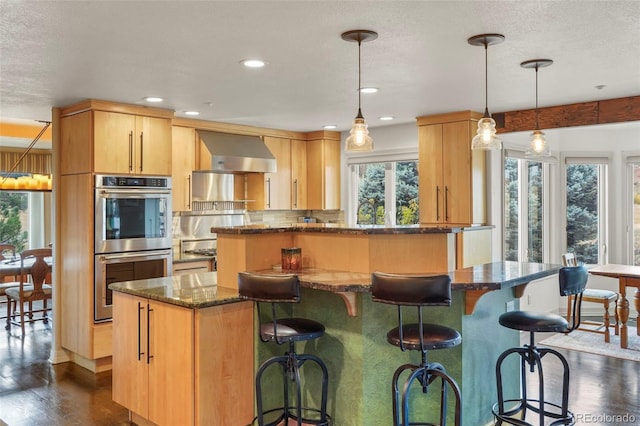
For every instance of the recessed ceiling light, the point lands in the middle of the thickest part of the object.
(386, 118)
(369, 90)
(191, 113)
(253, 63)
(153, 99)
(329, 127)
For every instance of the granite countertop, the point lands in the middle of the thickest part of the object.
(490, 276)
(194, 291)
(335, 228)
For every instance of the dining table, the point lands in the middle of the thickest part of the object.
(627, 276)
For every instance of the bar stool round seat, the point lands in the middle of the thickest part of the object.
(433, 337)
(513, 411)
(416, 292)
(534, 322)
(277, 289)
(292, 330)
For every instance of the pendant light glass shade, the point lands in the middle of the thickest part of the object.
(359, 139)
(538, 146)
(486, 136)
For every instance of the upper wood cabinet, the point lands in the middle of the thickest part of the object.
(272, 191)
(298, 174)
(452, 177)
(183, 161)
(102, 137)
(323, 171)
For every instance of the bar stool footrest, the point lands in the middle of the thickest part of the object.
(533, 405)
(293, 420)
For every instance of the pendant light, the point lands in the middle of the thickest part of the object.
(538, 146)
(359, 139)
(486, 137)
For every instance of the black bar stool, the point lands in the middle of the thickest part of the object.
(418, 291)
(275, 289)
(573, 281)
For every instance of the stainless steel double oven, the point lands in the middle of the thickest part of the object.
(132, 233)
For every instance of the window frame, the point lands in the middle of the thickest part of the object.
(523, 211)
(604, 201)
(629, 158)
(382, 156)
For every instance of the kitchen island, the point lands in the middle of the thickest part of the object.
(182, 351)
(354, 347)
(337, 263)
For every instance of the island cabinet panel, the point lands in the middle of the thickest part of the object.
(183, 162)
(153, 359)
(103, 137)
(452, 177)
(174, 365)
(272, 191)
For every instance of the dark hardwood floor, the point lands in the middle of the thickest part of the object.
(34, 392)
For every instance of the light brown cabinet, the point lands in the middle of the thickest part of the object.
(178, 370)
(272, 191)
(298, 174)
(183, 161)
(451, 176)
(102, 137)
(323, 171)
(131, 144)
(153, 362)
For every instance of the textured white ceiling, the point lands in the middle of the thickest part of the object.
(55, 53)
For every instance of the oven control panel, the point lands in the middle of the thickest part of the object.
(132, 182)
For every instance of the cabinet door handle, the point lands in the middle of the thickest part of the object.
(149, 356)
(446, 204)
(141, 148)
(130, 151)
(140, 353)
(269, 192)
(437, 202)
(295, 193)
(189, 191)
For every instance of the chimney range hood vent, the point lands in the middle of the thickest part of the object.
(237, 153)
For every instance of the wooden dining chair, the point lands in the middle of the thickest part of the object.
(7, 253)
(33, 264)
(592, 295)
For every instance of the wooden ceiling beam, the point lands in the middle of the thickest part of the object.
(581, 114)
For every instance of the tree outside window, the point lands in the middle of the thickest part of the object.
(374, 194)
(583, 211)
(13, 219)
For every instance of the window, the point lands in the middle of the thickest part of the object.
(633, 202)
(385, 190)
(525, 224)
(14, 223)
(586, 195)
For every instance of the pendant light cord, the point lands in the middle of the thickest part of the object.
(486, 81)
(537, 126)
(359, 80)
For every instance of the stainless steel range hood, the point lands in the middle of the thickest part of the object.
(237, 153)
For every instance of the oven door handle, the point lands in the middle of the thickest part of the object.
(135, 256)
(105, 193)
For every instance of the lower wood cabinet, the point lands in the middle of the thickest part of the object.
(174, 365)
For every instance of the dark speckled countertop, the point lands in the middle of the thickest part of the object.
(194, 291)
(335, 228)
